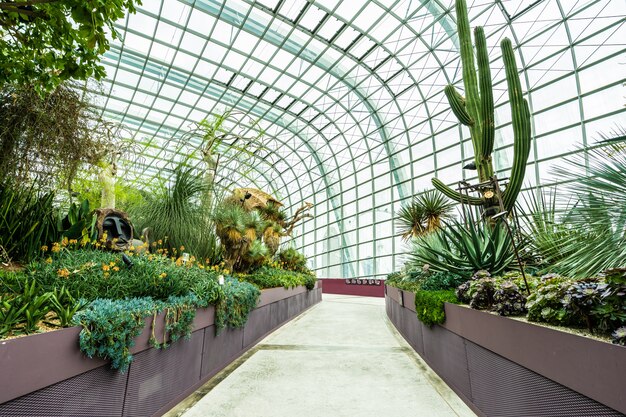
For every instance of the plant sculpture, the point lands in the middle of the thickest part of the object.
(250, 225)
(476, 111)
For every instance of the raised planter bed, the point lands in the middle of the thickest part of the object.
(505, 367)
(47, 375)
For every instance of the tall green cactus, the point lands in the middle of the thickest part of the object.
(476, 111)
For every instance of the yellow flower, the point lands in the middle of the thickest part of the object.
(111, 263)
(106, 267)
(63, 273)
(179, 261)
(56, 247)
(97, 245)
(44, 248)
(182, 248)
(163, 275)
(85, 240)
(73, 241)
(226, 271)
(106, 274)
(64, 241)
(160, 242)
(154, 244)
(49, 260)
(116, 268)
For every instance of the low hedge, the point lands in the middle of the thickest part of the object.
(429, 305)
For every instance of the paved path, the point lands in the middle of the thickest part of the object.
(340, 358)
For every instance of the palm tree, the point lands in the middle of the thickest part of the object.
(423, 214)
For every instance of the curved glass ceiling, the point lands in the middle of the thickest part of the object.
(350, 97)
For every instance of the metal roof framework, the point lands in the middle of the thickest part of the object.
(350, 97)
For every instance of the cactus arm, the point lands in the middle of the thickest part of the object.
(521, 125)
(486, 94)
(470, 79)
(457, 103)
(455, 195)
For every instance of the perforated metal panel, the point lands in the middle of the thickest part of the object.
(278, 313)
(220, 349)
(98, 393)
(156, 377)
(445, 351)
(495, 385)
(502, 388)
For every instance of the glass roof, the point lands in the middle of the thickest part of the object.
(349, 95)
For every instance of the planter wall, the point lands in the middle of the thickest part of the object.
(47, 375)
(505, 367)
(354, 286)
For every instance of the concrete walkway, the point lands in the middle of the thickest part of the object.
(340, 358)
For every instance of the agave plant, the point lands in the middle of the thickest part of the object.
(464, 249)
(423, 214)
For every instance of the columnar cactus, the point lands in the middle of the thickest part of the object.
(476, 111)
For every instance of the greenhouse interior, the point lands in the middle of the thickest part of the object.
(313, 207)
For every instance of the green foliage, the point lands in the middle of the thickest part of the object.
(24, 305)
(79, 223)
(597, 225)
(269, 277)
(463, 249)
(429, 305)
(441, 281)
(110, 328)
(65, 306)
(239, 300)
(35, 306)
(48, 139)
(176, 216)
(410, 279)
(292, 260)
(46, 42)
(476, 111)
(545, 303)
(95, 274)
(27, 222)
(423, 214)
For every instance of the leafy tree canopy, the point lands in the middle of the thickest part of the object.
(44, 42)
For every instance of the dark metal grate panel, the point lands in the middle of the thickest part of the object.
(278, 313)
(97, 393)
(502, 388)
(221, 349)
(258, 324)
(156, 377)
(445, 352)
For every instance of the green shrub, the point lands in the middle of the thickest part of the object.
(429, 305)
(268, 277)
(27, 222)
(441, 281)
(545, 304)
(292, 260)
